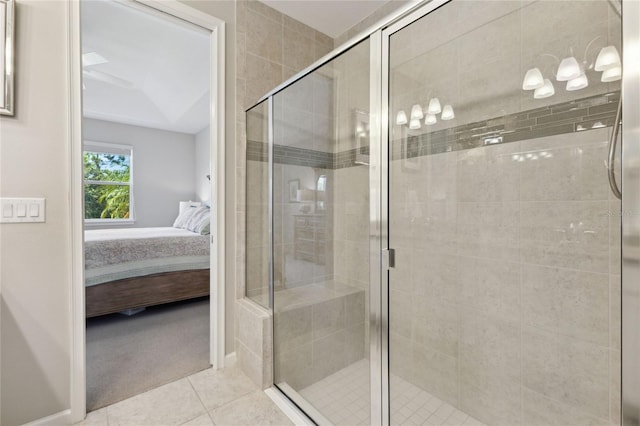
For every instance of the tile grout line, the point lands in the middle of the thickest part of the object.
(199, 399)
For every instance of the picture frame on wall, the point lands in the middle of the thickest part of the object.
(7, 44)
(294, 185)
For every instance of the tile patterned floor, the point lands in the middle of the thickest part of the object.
(343, 398)
(207, 398)
(228, 397)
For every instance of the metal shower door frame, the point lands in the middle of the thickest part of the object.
(379, 199)
(630, 213)
(630, 226)
(379, 37)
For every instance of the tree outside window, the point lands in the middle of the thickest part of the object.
(107, 184)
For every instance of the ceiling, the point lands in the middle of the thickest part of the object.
(331, 17)
(157, 69)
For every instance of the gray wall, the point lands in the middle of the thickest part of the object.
(164, 167)
(35, 266)
(202, 166)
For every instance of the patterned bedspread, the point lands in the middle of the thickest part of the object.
(114, 254)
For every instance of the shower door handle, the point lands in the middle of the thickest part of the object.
(388, 258)
(612, 152)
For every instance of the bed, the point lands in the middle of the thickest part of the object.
(127, 269)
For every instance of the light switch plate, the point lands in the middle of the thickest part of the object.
(22, 210)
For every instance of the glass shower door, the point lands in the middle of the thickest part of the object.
(321, 240)
(504, 302)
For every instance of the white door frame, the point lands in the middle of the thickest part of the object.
(217, 156)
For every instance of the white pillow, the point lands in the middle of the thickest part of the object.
(199, 221)
(183, 217)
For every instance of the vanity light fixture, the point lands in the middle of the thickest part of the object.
(434, 106)
(414, 120)
(416, 112)
(569, 69)
(612, 74)
(447, 113)
(607, 58)
(414, 124)
(532, 79)
(545, 90)
(577, 83)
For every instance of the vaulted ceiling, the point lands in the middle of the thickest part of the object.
(150, 70)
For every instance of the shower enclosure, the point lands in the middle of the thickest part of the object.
(431, 221)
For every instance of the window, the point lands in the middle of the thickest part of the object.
(108, 195)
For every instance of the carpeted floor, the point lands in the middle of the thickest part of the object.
(129, 355)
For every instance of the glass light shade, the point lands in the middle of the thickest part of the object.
(577, 83)
(434, 106)
(612, 74)
(414, 124)
(416, 112)
(430, 120)
(607, 58)
(401, 118)
(545, 91)
(569, 69)
(447, 113)
(532, 79)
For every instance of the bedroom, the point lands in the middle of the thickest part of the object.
(146, 143)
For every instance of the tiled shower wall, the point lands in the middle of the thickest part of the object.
(270, 47)
(505, 298)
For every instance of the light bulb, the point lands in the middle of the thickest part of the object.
(577, 83)
(416, 112)
(434, 106)
(569, 69)
(607, 58)
(414, 124)
(401, 118)
(532, 79)
(430, 120)
(612, 74)
(545, 91)
(447, 113)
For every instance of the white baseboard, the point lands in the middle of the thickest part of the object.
(230, 360)
(57, 419)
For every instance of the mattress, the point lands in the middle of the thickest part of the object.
(115, 254)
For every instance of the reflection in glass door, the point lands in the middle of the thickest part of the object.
(321, 240)
(504, 300)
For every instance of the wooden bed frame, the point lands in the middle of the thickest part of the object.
(149, 290)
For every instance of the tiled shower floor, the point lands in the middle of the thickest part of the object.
(343, 398)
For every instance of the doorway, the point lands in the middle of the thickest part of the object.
(206, 147)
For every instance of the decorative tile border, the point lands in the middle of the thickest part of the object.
(302, 157)
(569, 117)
